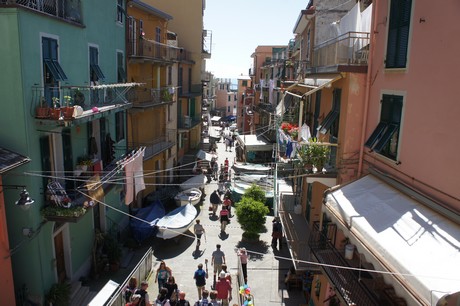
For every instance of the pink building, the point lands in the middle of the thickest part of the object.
(226, 98)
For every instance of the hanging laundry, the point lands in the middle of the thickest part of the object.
(129, 182)
(92, 146)
(305, 132)
(138, 169)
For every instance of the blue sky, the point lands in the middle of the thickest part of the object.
(239, 26)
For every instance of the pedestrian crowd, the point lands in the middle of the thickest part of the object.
(171, 295)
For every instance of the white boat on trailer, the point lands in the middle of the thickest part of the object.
(192, 195)
(176, 222)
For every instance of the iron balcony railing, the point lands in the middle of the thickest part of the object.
(144, 96)
(351, 48)
(158, 145)
(64, 9)
(187, 122)
(145, 48)
(345, 281)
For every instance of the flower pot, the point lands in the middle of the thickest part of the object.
(55, 113)
(42, 112)
(67, 112)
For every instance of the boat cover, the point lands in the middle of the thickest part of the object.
(153, 213)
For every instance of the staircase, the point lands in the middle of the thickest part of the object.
(80, 295)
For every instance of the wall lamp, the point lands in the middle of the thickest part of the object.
(24, 199)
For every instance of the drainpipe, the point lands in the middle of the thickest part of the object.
(368, 85)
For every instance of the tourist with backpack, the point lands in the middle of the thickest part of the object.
(162, 299)
(204, 300)
(277, 233)
(182, 301)
(135, 300)
(145, 300)
(200, 277)
(130, 289)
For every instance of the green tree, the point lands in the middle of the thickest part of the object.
(256, 193)
(251, 212)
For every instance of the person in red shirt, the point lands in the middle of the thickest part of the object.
(224, 218)
(224, 289)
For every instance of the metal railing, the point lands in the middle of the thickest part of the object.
(144, 96)
(142, 270)
(158, 145)
(141, 47)
(345, 281)
(187, 122)
(67, 10)
(351, 48)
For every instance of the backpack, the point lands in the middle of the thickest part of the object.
(142, 293)
(128, 294)
(200, 278)
(161, 303)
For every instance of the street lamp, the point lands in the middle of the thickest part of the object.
(24, 200)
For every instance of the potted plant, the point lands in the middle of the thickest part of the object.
(318, 153)
(113, 251)
(42, 110)
(55, 112)
(304, 154)
(67, 110)
(79, 98)
(59, 294)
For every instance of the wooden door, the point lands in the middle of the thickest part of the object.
(60, 259)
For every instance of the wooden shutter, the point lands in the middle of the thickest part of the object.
(398, 33)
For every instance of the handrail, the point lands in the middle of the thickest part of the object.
(117, 297)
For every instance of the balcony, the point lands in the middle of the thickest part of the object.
(349, 49)
(144, 97)
(207, 44)
(85, 103)
(63, 9)
(158, 145)
(66, 202)
(355, 287)
(187, 122)
(145, 49)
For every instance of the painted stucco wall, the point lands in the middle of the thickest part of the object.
(428, 141)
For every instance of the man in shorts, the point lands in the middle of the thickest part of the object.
(198, 229)
(218, 258)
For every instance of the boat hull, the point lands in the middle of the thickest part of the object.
(176, 222)
(192, 195)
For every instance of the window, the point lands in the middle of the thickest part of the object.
(52, 70)
(180, 80)
(398, 33)
(228, 109)
(331, 122)
(229, 98)
(121, 74)
(385, 138)
(120, 11)
(119, 126)
(95, 71)
(169, 75)
(244, 83)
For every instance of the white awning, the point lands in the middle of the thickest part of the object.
(215, 118)
(204, 155)
(399, 234)
(252, 143)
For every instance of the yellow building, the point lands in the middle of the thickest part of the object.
(152, 119)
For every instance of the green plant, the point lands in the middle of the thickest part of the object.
(251, 211)
(166, 95)
(59, 294)
(319, 153)
(67, 100)
(75, 211)
(56, 103)
(84, 161)
(79, 97)
(112, 249)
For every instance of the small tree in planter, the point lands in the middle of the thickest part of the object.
(59, 295)
(252, 212)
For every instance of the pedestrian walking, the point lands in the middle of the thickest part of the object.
(172, 288)
(228, 276)
(130, 289)
(224, 218)
(204, 300)
(218, 258)
(198, 229)
(215, 201)
(227, 203)
(243, 255)
(200, 277)
(162, 275)
(162, 299)
(135, 300)
(145, 299)
(213, 297)
(277, 233)
(224, 290)
(215, 171)
(227, 143)
(182, 301)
